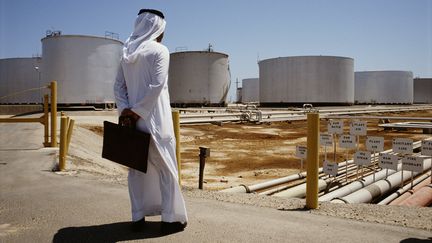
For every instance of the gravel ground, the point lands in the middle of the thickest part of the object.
(413, 217)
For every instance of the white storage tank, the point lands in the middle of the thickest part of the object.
(384, 87)
(250, 90)
(423, 90)
(199, 78)
(17, 77)
(85, 67)
(322, 80)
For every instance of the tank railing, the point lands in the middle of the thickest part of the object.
(44, 118)
(23, 91)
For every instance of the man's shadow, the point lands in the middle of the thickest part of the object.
(114, 232)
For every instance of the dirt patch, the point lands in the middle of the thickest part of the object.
(251, 153)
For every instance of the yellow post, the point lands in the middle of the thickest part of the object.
(176, 123)
(46, 122)
(63, 138)
(312, 160)
(71, 123)
(53, 88)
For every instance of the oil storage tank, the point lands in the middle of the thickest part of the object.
(423, 90)
(320, 80)
(384, 87)
(250, 90)
(199, 78)
(20, 79)
(85, 67)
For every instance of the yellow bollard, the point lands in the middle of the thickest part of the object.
(53, 88)
(63, 141)
(312, 161)
(46, 122)
(176, 123)
(71, 123)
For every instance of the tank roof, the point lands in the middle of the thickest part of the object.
(207, 52)
(311, 56)
(84, 36)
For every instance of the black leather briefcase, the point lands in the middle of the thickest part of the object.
(126, 146)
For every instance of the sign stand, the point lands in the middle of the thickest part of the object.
(388, 161)
(426, 150)
(301, 152)
(403, 146)
(335, 127)
(347, 142)
(412, 164)
(375, 144)
(358, 128)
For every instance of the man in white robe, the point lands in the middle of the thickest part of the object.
(141, 91)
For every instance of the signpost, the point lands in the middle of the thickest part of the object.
(388, 161)
(358, 128)
(335, 127)
(362, 158)
(403, 146)
(326, 140)
(347, 142)
(375, 144)
(413, 164)
(330, 168)
(301, 152)
(426, 149)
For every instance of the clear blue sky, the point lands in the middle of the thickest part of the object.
(378, 34)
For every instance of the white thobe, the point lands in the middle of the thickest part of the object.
(142, 85)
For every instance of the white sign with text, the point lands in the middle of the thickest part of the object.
(330, 168)
(411, 163)
(358, 128)
(335, 127)
(403, 145)
(426, 147)
(347, 141)
(388, 161)
(301, 152)
(362, 158)
(326, 140)
(375, 144)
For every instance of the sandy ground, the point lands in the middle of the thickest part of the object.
(240, 153)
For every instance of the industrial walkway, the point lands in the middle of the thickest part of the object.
(37, 205)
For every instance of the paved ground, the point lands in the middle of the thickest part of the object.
(37, 205)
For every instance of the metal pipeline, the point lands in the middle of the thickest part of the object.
(380, 187)
(356, 185)
(263, 185)
(420, 198)
(410, 191)
(299, 191)
(404, 189)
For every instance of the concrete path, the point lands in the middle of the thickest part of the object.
(37, 205)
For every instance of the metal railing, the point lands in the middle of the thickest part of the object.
(44, 118)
